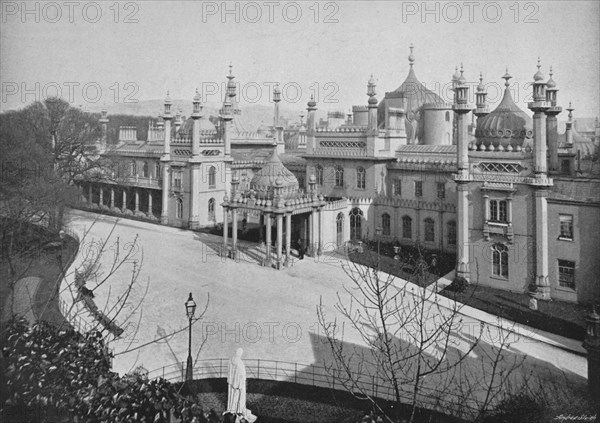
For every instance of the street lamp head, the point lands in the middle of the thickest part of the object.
(190, 307)
(378, 230)
(61, 234)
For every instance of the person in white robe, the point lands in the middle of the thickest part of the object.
(236, 393)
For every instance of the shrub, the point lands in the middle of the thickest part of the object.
(458, 285)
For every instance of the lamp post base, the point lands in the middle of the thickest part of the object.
(189, 373)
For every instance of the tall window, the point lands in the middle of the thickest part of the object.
(211, 209)
(339, 176)
(356, 215)
(212, 177)
(319, 174)
(566, 226)
(566, 274)
(418, 188)
(397, 187)
(386, 223)
(145, 170)
(176, 178)
(441, 190)
(157, 172)
(360, 178)
(429, 230)
(451, 232)
(179, 209)
(132, 168)
(498, 210)
(500, 260)
(406, 227)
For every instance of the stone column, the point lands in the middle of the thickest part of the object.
(90, 194)
(225, 232)
(320, 233)
(194, 216)
(486, 199)
(279, 238)
(124, 206)
(462, 214)
(309, 237)
(164, 214)
(268, 236)
(509, 215)
(541, 245)
(137, 200)
(234, 227)
(261, 223)
(150, 203)
(101, 199)
(112, 198)
(288, 236)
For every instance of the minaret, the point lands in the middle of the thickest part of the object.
(104, 127)
(165, 159)
(480, 100)
(372, 122)
(569, 126)
(279, 144)
(541, 285)
(227, 111)
(551, 122)
(539, 105)
(311, 125)
(177, 122)
(462, 178)
(195, 161)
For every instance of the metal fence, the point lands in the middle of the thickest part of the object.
(319, 376)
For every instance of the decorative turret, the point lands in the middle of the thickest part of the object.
(551, 122)
(196, 115)
(569, 130)
(372, 124)
(230, 83)
(455, 77)
(539, 105)
(279, 143)
(480, 99)
(167, 117)
(311, 125)
(461, 108)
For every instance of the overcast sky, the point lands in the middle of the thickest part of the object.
(139, 50)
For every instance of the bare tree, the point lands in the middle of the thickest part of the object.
(416, 345)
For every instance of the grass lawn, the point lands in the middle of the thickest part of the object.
(561, 318)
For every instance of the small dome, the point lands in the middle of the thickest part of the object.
(551, 83)
(506, 125)
(197, 97)
(274, 175)
(539, 76)
(312, 102)
(205, 125)
(456, 74)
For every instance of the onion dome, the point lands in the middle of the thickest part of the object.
(580, 143)
(506, 125)
(231, 83)
(411, 56)
(551, 83)
(197, 97)
(312, 103)
(456, 75)
(461, 78)
(274, 176)
(539, 76)
(205, 125)
(480, 87)
(168, 99)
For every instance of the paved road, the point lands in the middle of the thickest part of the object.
(271, 314)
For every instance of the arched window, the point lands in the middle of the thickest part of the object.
(406, 227)
(339, 224)
(179, 209)
(500, 260)
(447, 116)
(212, 177)
(386, 223)
(145, 170)
(319, 174)
(157, 172)
(451, 232)
(356, 216)
(429, 230)
(339, 176)
(360, 178)
(211, 209)
(132, 168)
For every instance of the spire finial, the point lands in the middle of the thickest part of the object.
(506, 78)
(551, 71)
(570, 109)
(539, 64)
(411, 57)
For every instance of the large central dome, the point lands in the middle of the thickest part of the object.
(506, 125)
(274, 175)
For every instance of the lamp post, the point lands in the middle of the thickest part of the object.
(378, 232)
(190, 309)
